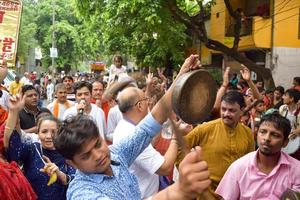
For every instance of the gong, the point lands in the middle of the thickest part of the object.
(194, 95)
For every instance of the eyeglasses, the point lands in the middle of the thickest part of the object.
(144, 99)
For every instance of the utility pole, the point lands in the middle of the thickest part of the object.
(53, 32)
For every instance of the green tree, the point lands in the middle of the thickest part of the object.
(75, 40)
(136, 19)
(144, 30)
(28, 29)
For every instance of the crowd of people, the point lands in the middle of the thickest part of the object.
(95, 139)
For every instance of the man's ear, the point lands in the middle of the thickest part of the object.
(70, 162)
(285, 142)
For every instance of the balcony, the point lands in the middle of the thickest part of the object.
(246, 28)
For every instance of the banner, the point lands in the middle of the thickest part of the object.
(10, 15)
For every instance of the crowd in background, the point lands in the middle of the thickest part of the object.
(250, 141)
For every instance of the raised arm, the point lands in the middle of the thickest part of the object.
(151, 124)
(163, 108)
(149, 85)
(16, 103)
(245, 72)
(222, 89)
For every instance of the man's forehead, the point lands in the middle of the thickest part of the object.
(88, 145)
(269, 125)
(229, 104)
(97, 85)
(61, 90)
(68, 80)
(83, 89)
(29, 92)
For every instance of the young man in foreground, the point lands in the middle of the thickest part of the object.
(267, 172)
(103, 172)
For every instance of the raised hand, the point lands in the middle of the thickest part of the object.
(81, 106)
(149, 79)
(245, 72)
(16, 103)
(192, 62)
(161, 75)
(294, 134)
(226, 77)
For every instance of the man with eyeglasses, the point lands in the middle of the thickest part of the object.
(150, 163)
(102, 171)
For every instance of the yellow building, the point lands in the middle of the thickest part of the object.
(270, 35)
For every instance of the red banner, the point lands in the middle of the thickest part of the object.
(10, 15)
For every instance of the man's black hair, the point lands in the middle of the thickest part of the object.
(73, 133)
(81, 84)
(297, 79)
(279, 89)
(279, 122)
(269, 91)
(68, 77)
(293, 93)
(234, 97)
(25, 88)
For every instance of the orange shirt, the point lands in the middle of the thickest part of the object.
(105, 107)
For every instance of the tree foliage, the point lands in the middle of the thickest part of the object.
(74, 38)
(142, 29)
(127, 26)
(28, 29)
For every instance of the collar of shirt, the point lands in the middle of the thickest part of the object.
(30, 112)
(129, 121)
(99, 178)
(229, 129)
(283, 160)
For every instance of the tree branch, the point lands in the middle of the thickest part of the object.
(264, 72)
(179, 14)
(197, 25)
(229, 8)
(237, 16)
(201, 21)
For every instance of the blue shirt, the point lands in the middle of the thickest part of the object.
(30, 155)
(122, 185)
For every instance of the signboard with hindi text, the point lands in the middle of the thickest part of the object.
(10, 15)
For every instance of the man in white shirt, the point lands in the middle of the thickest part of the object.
(61, 104)
(50, 91)
(83, 94)
(26, 79)
(149, 164)
(113, 118)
